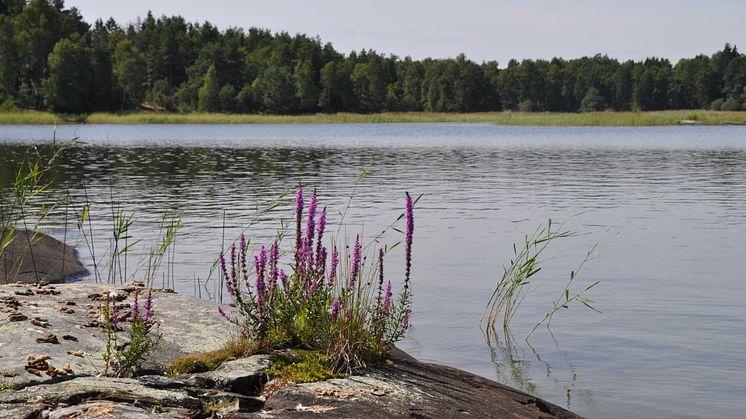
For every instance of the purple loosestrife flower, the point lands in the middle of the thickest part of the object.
(298, 219)
(310, 219)
(149, 306)
(134, 311)
(321, 263)
(114, 313)
(386, 300)
(380, 267)
(224, 271)
(243, 251)
(283, 280)
(408, 239)
(335, 307)
(405, 323)
(223, 314)
(274, 256)
(320, 228)
(355, 267)
(260, 264)
(233, 279)
(334, 263)
(260, 295)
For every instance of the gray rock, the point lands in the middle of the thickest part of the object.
(98, 409)
(159, 381)
(32, 257)
(12, 411)
(409, 389)
(85, 388)
(187, 326)
(244, 376)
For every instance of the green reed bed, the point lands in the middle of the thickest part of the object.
(673, 117)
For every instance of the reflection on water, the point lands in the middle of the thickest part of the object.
(672, 281)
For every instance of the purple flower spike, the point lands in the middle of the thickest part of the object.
(226, 277)
(320, 228)
(380, 267)
(233, 278)
(149, 306)
(283, 280)
(260, 263)
(114, 313)
(310, 219)
(321, 262)
(355, 268)
(335, 307)
(223, 314)
(405, 323)
(134, 312)
(386, 299)
(274, 256)
(298, 219)
(243, 252)
(408, 239)
(334, 263)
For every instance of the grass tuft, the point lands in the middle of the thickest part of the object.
(208, 361)
(301, 366)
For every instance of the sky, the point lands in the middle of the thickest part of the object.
(482, 29)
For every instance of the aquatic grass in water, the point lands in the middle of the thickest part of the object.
(24, 206)
(338, 307)
(516, 281)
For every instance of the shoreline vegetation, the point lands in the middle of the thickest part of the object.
(652, 118)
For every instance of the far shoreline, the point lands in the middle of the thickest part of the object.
(648, 118)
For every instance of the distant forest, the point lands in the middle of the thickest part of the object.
(51, 59)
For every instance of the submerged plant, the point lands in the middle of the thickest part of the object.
(338, 307)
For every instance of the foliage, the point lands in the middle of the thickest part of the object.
(209, 94)
(45, 46)
(517, 278)
(124, 358)
(301, 366)
(68, 85)
(344, 308)
(128, 65)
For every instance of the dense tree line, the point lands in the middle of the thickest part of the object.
(51, 59)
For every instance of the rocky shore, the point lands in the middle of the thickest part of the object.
(51, 365)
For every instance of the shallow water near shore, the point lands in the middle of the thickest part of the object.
(668, 205)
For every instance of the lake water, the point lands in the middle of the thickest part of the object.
(667, 206)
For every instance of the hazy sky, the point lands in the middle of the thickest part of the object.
(482, 29)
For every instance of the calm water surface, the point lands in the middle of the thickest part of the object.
(668, 205)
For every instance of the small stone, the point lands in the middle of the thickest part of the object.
(50, 338)
(70, 337)
(38, 321)
(17, 317)
(75, 353)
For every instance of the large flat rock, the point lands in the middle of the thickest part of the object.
(71, 313)
(33, 257)
(409, 389)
